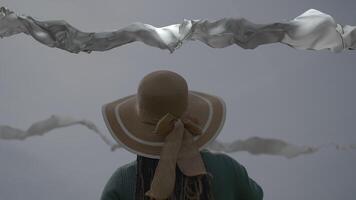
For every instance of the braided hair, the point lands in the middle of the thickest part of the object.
(186, 188)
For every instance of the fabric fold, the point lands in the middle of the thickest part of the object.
(312, 30)
(178, 149)
(163, 182)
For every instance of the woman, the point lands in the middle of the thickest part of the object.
(167, 125)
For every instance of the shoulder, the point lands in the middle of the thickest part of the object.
(120, 181)
(123, 173)
(128, 168)
(223, 164)
(218, 158)
(225, 172)
(230, 173)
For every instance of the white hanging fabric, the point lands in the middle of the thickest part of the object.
(312, 30)
(252, 145)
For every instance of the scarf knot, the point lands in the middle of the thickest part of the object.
(179, 150)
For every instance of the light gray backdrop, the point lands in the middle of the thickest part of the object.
(303, 97)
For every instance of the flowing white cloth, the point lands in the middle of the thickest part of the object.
(259, 146)
(316, 30)
(312, 30)
(42, 127)
(253, 145)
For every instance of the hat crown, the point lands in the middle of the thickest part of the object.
(161, 92)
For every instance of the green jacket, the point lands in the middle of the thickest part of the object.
(230, 180)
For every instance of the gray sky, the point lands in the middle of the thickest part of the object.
(303, 97)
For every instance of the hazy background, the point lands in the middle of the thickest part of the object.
(303, 97)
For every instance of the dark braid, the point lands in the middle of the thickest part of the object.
(186, 188)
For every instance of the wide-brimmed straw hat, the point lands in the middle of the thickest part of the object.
(165, 120)
(159, 93)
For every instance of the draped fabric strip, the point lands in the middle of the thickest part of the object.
(311, 30)
(178, 149)
(42, 127)
(253, 145)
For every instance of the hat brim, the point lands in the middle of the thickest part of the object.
(124, 124)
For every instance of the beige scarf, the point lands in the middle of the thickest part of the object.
(178, 149)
